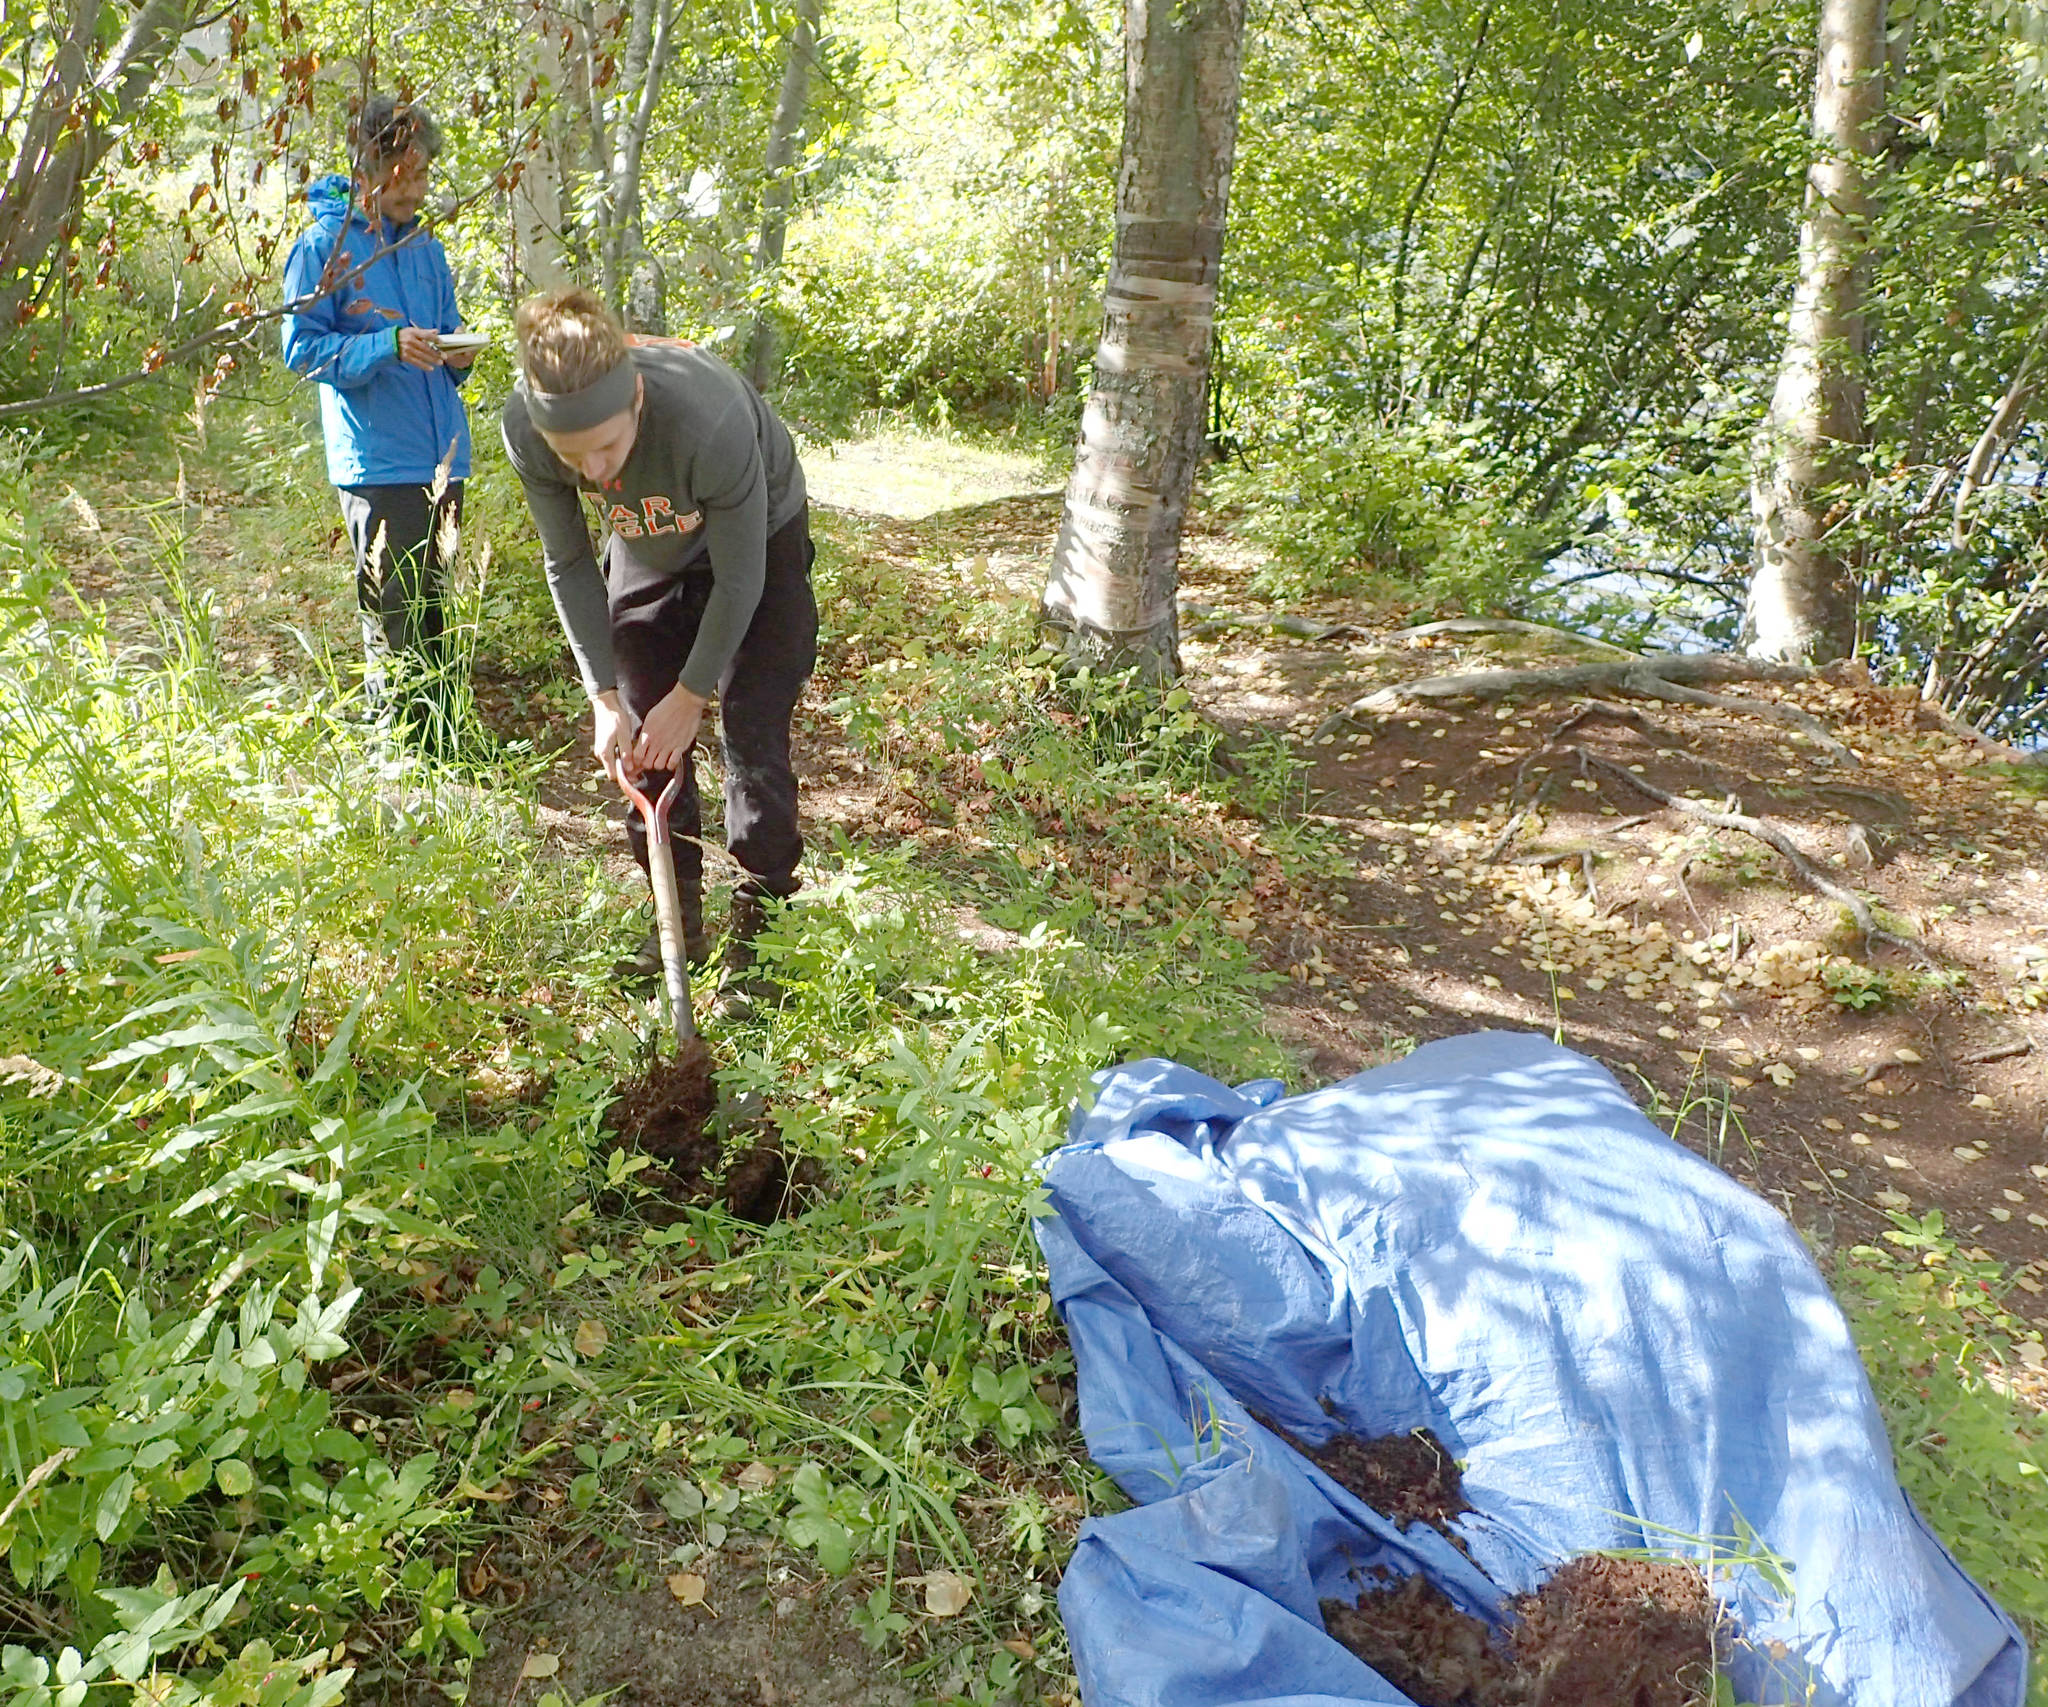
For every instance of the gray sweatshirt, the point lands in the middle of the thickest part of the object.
(711, 475)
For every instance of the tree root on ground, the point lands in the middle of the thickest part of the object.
(1670, 679)
(1771, 835)
(1549, 744)
(1772, 711)
(1202, 620)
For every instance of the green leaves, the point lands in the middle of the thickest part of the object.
(822, 1519)
(1938, 1340)
(1005, 1404)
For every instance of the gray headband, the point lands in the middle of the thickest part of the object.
(576, 411)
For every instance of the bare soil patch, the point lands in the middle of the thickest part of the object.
(757, 1633)
(671, 1114)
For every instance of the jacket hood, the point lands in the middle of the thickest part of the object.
(330, 200)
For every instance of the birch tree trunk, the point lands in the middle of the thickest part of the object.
(538, 256)
(66, 131)
(1802, 595)
(1110, 596)
(647, 57)
(778, 190)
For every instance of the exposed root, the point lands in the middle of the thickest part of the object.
(1549, 744)
(2002, 1052)
(1506, 625)
(1770, 710)
(1684, 667)
(1202, 619)
(1771, 836)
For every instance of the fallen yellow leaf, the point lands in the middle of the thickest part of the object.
(946, 1593)
(591, 1338)
(541, 1665)
(687, 1587)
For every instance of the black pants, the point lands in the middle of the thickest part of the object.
(757, 696)
(404, 542)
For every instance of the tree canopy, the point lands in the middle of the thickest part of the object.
(1501, 311)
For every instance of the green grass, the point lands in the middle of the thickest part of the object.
(1943, 1352)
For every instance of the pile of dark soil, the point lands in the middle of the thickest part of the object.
(1638, 1632)
(1411, 1478)
(1602, 1632)
(669, 1115)
(1425, 1647)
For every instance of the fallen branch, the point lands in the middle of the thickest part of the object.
(1771, 836)
(1506, 625)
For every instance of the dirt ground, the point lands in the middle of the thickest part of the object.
(756, 1633)
(1690, 961)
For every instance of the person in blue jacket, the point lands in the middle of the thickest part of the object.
(375, 297)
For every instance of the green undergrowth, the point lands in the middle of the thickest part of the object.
(315, 1258)
(1960, 1380)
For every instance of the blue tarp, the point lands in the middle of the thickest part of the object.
(1622, 1346)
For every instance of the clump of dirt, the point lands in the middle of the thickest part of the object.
(668, 1113)
(1638, 1632)
(1602, 1632)
(1411, 1478)
(1425, 1647)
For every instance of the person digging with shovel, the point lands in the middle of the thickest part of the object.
(705, 590)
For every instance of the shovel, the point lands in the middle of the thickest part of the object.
(668, 904)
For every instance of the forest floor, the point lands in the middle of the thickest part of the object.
(1689, 960)
(1412, 875)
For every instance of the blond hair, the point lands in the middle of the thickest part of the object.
(568, 339)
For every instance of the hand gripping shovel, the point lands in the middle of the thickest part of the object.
(668, 904)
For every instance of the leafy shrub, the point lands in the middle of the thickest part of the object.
(1341, 502)
(216, 1136)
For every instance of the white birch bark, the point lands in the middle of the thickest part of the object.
(1115, 566)
(778, 187)
(1802, 594)
(538, 257)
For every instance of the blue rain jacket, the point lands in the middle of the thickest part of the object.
(1622, 1346)
(386, 424)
